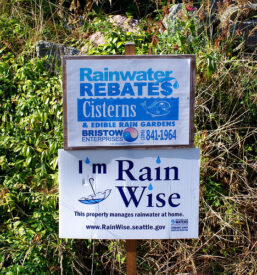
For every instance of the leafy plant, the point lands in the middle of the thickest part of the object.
(31, 133)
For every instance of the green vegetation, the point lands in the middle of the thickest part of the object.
(31, 133)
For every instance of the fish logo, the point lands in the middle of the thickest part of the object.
(157, 108)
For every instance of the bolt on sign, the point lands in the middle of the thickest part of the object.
(124, 194)
(128, 101)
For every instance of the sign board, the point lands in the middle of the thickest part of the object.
(128, 101)
(129, 194)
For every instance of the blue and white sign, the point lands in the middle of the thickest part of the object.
(121, 101)
(129, 194)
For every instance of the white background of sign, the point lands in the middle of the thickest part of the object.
(181, 71)
(71, 191)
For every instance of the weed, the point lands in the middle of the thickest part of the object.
(31, 133)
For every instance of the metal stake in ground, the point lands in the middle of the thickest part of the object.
(131, 245)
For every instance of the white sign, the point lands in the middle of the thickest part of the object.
(128, 101)
(132, 194)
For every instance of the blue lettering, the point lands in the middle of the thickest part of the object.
(141, 75)
(174, 196)
(150, 74)
(158, 75)
(85, 72)
(113, 89)
(100, 87)
(116, 74)
(140, 86)
(127, 75)
(86, 88)
(98, 76)
(127, 171)
(127, 89)
(146, 175)
(150, 200)
(159, 199)
(167, 90)
(153, 87)
(132, 190)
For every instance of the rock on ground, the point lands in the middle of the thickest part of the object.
(97, 38)
(54, 51)
(125, 23)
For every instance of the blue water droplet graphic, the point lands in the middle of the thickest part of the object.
(150, 187)
(176, 85)
(158, 160)
(87, 161)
